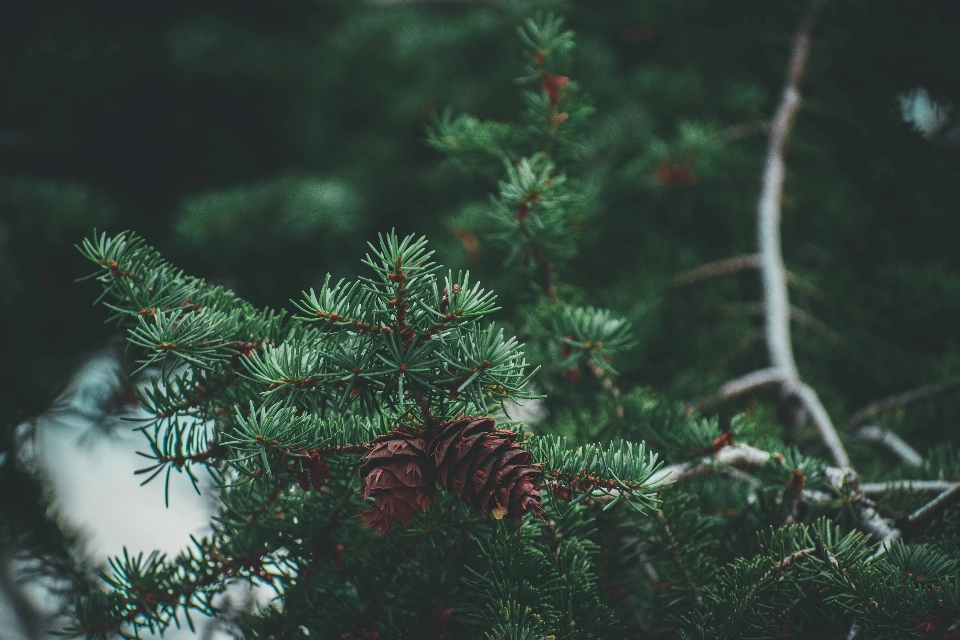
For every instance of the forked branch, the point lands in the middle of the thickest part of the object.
(773, 274)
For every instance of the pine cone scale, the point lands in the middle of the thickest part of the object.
(400, 477)
(485, 467)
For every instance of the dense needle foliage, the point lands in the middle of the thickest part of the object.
(617, 180)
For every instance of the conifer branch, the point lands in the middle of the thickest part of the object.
(779, 566)
(672, 546)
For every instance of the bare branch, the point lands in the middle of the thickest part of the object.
(821, 419)
(901, 399)
(738, 131)
(732, 265)
(772, 271)
(746, 457)
(797, 315)
(876, 489)
(773, 274)
(879, 528)
(897, 445)
(738, 387)
(934, 508)
(715, 269)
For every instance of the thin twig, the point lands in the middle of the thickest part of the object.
(715, 269)
(772, 272)
(777, 567)
(797, 315)
(738, 387)
(901, 399)
(672, 545)
(821, 419)
(879, 528)
(746, 457)
(738, 131)
(934, 508)
(732, 265)
(897, 445)
(877, 489)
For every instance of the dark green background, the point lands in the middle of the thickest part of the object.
(262, 144)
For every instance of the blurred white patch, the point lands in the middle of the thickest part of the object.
(919, 109)
(92, 469)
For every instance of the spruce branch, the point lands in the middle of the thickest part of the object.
(622, 470)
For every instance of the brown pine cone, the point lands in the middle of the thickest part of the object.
(485, 467)
(400, 477)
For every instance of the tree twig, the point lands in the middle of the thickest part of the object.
(901, 399)
(715, 269)
(772, 271)
(935, 507)
(739, 386)
(875, 489)
(797, 315)
(897, 445)
(773, 274)
(731, 265)
(738, 131)
(821, 419)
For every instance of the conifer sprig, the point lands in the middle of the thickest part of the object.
(377, 402)
(398, 364)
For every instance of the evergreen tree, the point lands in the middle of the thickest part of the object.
(389, 396)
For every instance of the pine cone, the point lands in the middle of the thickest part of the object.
(400, 476)
(485, 467)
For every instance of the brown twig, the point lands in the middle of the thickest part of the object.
(715, 269)
(738, 131)
(777, 567)
(731, 265)
(672, 545)
(901, 399)
(345, 449)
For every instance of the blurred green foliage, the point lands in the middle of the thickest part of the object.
(260, 145)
